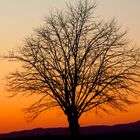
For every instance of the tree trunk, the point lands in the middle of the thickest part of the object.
(74, 126)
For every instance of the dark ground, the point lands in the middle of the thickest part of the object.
(109, 136)
(117, 132)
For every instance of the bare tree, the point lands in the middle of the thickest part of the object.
(77, 63)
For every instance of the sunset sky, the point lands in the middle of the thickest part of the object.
(17, 20)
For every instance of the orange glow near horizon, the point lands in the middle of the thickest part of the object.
(18, 18)
(12, 117)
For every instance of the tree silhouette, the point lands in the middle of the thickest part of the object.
(78, 63)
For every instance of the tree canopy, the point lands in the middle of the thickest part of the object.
(78, 63)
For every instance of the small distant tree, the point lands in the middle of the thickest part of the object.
(77, 63)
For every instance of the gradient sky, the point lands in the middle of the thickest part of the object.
(17, 20)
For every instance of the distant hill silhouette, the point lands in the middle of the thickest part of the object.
(120, 131)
